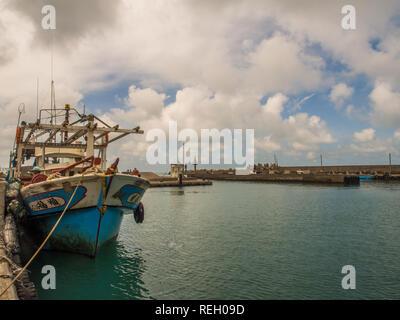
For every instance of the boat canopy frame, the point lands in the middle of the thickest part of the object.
(87, 126)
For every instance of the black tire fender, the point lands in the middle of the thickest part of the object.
(138, 214)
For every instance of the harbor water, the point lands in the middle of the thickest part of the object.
(239, 240)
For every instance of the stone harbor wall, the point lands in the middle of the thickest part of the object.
(6, 273)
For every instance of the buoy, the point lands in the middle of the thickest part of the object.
(18, 137)
(39, 177)
(138, 214)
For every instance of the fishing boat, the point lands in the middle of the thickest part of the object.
(70, 178)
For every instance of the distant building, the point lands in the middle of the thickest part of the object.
(244, 171)
(177, 169)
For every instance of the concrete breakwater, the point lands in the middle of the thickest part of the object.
(306, 178)
(378, 170)
(167, 181)
(344, 174)
(352, 168)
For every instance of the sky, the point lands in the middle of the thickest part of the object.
(286, 69)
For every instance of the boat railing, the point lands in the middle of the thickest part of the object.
(59, 113)
(93, 162)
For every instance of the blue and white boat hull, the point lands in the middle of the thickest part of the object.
(94, 216)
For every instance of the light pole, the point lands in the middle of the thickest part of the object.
(183, 156)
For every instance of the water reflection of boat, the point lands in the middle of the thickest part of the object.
(65, 155)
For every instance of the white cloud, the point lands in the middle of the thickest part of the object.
(321, 24)
(350, 111)
(370, 147)
(146, 100)
(199, 108)
(385, 106)
(311, 156)
(365, 135)
(366, 141)
(307, 130)
(339, 93)
(267, 144)
(279, 64)
(274, 104)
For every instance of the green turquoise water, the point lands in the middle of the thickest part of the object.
(237, 240)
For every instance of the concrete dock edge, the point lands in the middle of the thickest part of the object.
(5, 267)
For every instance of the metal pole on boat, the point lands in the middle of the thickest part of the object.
(53, 96)
(21, 109)
(67, 108)
(90, 138)
(19, 149)
(53, 104)
(183, 156)
(37, 99)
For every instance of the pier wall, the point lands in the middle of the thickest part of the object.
(352, 169)
(344, 169)
(5, 266)
(302, 178)
(166, 181)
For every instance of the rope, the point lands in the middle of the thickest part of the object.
(10, 262)
(94, 170)
(90, 170)
(45, 240)
(54, 176)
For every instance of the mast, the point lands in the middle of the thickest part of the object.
(37, 98)
(53, 93)
(16, 151)
(53, 104)
(66, 121)
(90, 136)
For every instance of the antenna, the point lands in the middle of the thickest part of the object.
(53, 103)
(53, 94)
(21, 110)
(183, 153)
(13, 152)
(37, 98)
(195, 163)
(52, 56)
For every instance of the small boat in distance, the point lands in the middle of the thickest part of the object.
(65, 164)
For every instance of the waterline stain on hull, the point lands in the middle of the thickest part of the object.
(81, 231)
